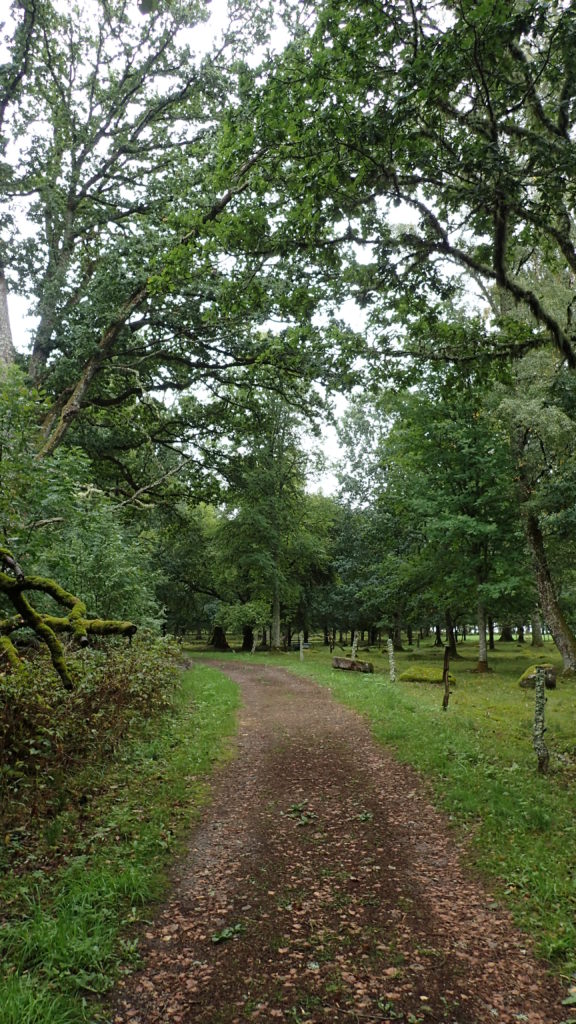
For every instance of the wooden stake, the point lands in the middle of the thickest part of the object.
(446, 678)
(542, 752)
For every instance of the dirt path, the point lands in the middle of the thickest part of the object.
(337, 885)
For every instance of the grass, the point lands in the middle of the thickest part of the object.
(66, 922)
(66, 925)
(481, 767)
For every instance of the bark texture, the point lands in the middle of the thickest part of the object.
(563, 636)
(7, 350)
(540, 747)
(536, 624)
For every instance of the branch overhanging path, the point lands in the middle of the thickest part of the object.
(321, 885)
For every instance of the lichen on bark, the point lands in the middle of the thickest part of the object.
(15, 585)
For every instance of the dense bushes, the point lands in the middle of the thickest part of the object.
(47, 736)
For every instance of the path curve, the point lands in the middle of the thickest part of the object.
(333, 886)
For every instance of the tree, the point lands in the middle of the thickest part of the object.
(16, 587)
(61, 524)
(442, 135)
(271, 545)
(142, 235)
(539, 417)
(444, 541)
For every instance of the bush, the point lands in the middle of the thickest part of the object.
(48, 734)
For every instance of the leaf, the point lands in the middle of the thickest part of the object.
(228, 933)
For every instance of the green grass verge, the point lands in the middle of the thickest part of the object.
(66, 927)
(479, 760)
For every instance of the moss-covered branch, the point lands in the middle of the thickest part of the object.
(14, 583)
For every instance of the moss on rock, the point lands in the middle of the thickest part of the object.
(527, 680)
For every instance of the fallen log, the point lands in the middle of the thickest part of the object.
(352, 665)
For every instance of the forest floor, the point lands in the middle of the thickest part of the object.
(322, 886)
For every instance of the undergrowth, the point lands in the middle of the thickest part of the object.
(97, 857)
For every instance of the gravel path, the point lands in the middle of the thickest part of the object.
(322, 886)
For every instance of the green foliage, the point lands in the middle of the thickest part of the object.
(433, 521)
(232, 617)
(61, 525)
(227, 933)
(47, 735)
(270, 544)
(66, 934)
(442, 172)
(155, 234)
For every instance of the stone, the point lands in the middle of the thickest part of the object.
(528, 678)
(352, 665)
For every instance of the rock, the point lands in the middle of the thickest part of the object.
(528, 678)
(352, 665)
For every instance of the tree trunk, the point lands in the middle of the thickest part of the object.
(482, 651)
(219, 641)
(506, 634)
(68, 406)
(275, 638)
(491, 645)
(446, 678)
(450, 635)
(397, 634)
(562, 634)
(410, 636)
(536, 626)
(438, 636)
(7, 350)
(247, 638)
(520, 629)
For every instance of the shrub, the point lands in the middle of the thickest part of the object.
(48, 734)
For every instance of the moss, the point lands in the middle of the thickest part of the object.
(425, 674)
(528, 678)
(11, 653)
(47, 626)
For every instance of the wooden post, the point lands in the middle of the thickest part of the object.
(542, 752)
(391, 660)
(446, 678)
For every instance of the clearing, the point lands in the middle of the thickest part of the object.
(323, 886)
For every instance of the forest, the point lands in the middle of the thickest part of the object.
(227, 236)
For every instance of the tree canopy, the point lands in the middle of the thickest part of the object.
(191, 220)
